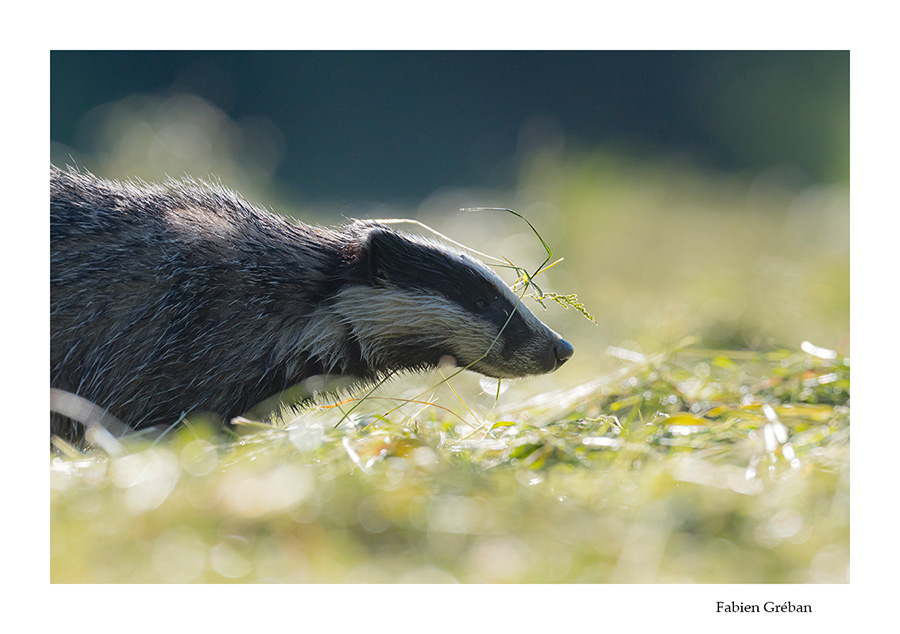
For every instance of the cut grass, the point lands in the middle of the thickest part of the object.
(692, 465)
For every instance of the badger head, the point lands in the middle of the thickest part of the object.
(417, 304)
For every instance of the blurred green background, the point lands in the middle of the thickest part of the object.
(389, 126)
(693, 194)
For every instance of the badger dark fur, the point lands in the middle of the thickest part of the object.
(170, 298)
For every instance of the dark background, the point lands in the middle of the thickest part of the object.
(397, 125)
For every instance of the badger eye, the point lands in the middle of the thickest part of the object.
(481, 303)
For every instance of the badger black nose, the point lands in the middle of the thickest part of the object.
(563, 351)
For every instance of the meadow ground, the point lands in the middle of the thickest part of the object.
(700, 433)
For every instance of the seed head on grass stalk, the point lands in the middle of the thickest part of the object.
(566, 301)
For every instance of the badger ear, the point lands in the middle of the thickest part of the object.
(380, 244)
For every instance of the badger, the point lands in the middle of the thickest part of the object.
(182, 296)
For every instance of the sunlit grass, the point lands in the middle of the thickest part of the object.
(686, 466)
(693, 437)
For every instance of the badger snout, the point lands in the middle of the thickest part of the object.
(553, 352)
(557, 352)
(562, 351)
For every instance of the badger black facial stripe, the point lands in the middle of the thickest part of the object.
(442, 269)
